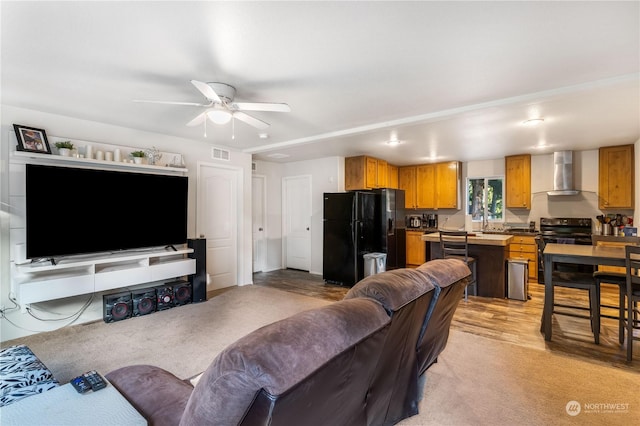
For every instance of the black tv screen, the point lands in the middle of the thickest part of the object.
(75, 211)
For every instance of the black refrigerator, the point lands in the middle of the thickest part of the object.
(351, 227)
(393, 233)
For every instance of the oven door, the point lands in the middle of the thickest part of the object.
(541, 241)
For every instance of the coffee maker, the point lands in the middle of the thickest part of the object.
(432, 220)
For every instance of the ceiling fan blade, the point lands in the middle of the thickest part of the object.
(260, 106)
(170, 102)
(198, 120)
(252, 121)
(207, 91)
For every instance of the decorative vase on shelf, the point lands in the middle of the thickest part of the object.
(64, 148)
(138, 156)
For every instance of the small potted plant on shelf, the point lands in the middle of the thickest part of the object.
(138, 156)
(64, 148)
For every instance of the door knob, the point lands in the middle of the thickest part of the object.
(259, 229)
(307, 228)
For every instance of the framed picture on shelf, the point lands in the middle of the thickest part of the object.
(31, 139)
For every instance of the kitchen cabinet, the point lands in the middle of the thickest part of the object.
(524, 247)
(416, 249)
(407, 182)
(365, 172)
(392, 176)
(518, 181)
(426, 186)
(616, 177)
(431, 186)
(448, 185)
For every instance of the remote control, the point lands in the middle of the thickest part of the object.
(95, 380)
(80, 384)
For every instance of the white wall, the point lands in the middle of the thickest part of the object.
(194, 151)
(327, 175)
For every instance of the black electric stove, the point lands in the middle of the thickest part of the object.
(563, 230)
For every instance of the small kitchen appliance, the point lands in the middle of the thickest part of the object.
(414, 221)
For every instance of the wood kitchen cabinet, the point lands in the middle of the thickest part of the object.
(525, 247)
(616, 177)
(392, 176)
(448, 185)
(518, 181)
(365, 172)
(431, 186)
(426, 189)
(407, 182)
(416, 249)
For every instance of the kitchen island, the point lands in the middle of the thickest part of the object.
(490, 251)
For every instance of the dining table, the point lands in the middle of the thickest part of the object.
(577, 254)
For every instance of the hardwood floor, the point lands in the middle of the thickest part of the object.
(507, 320)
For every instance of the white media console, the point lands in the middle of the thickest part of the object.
(38, 282)
(91, 273)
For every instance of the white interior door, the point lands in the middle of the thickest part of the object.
(258, 210)
(296, 198)
(217, 221)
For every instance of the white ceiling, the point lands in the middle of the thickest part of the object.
(454, 80)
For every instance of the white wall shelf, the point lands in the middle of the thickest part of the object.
(48, 158)
(42, 281)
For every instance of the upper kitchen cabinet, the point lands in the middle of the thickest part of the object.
(365, 172)
(431, 186)
(448, 185)
(407, 182)
(616, 177)
(392, 176)
(518, 181)
(426, 190)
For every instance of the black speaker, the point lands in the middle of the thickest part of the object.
(117, 306)
(164, 297)
(181, 292)
(144, 301)
(199, 279)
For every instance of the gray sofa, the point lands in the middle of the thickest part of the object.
(359, 361)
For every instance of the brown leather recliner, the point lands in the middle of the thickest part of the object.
(312, 368)
(419, 302)
(353, 362)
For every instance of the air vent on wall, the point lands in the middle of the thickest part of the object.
(220, 154)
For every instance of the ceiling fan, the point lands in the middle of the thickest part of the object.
(220, 107)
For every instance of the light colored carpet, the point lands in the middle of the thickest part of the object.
(477, 381)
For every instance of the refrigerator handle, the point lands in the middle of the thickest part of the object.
(390, 227)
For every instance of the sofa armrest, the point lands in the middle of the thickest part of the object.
(159, 396)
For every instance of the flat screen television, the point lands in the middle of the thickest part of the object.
(72, 211)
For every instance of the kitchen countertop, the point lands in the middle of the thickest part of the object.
(501, 239)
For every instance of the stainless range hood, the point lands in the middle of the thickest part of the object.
(563, 174)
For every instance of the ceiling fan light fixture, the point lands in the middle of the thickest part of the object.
(219, 116)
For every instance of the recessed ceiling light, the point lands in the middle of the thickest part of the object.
(393, 139)
(533, 121)
(264, 136)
